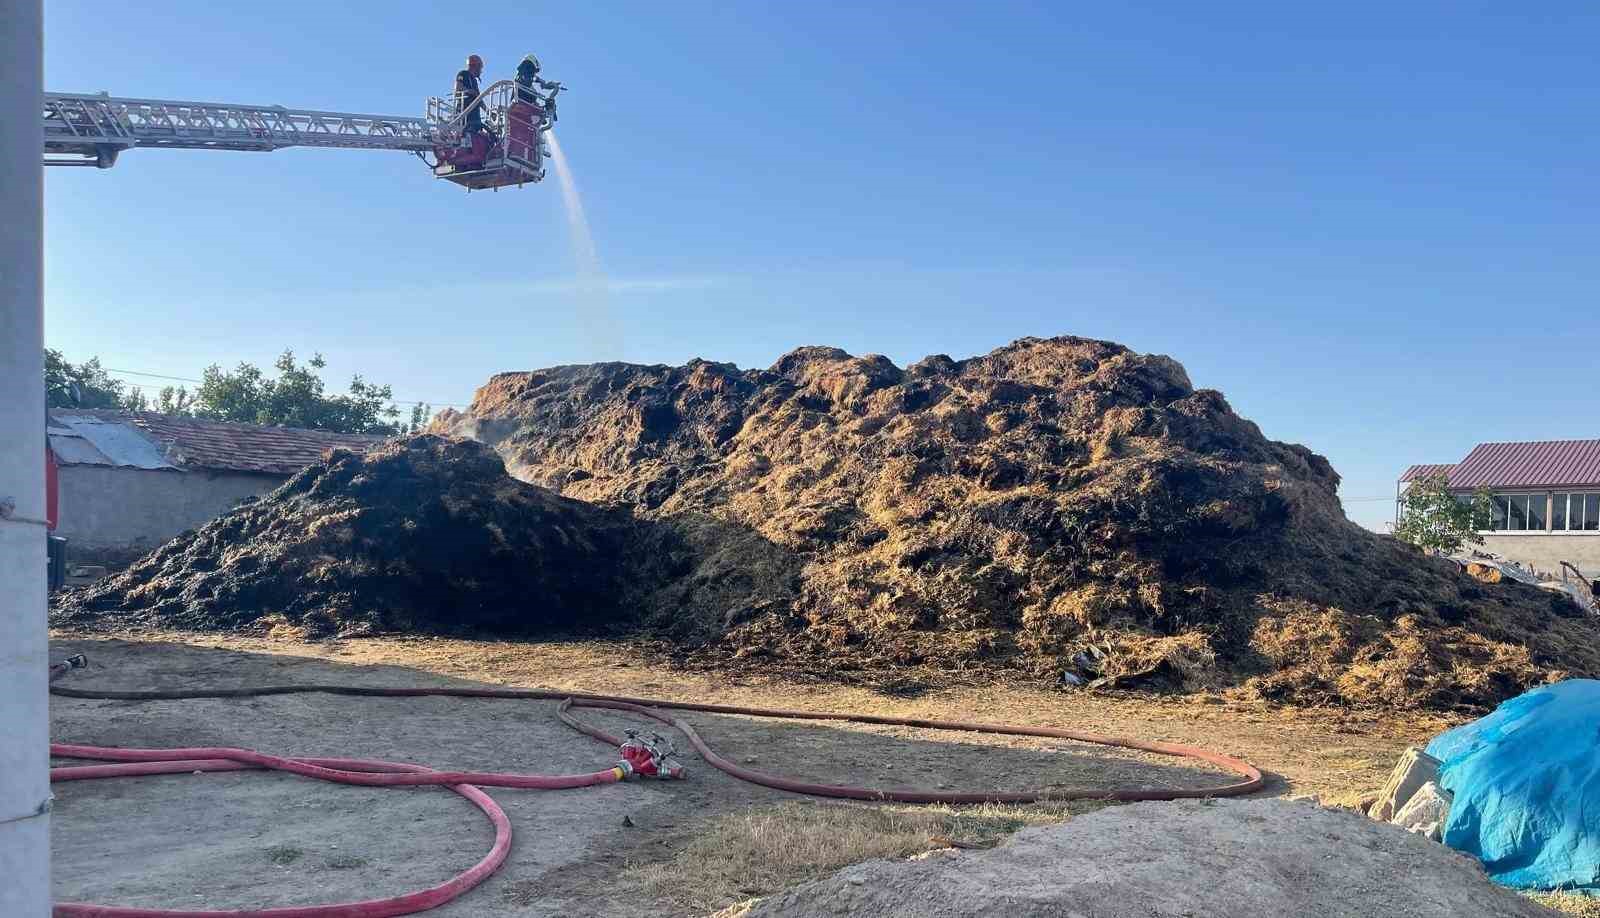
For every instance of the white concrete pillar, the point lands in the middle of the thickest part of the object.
(24, 723)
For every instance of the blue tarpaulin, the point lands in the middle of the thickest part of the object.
(1526, 786)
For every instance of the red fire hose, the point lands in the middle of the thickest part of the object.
(365, 772)
(171, 761)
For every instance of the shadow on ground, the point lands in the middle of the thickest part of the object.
(252, 840)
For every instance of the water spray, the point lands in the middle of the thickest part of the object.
(594, 288)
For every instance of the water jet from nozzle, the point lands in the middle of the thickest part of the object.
(594, 288)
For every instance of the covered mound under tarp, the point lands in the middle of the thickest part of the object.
(1066, 506)
(423, 534)
(1525, 788)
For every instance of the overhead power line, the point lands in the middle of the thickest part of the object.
(152, 375)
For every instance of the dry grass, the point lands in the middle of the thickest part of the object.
(760, 851)
(1569, 903)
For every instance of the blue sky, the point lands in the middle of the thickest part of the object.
(1374, 226)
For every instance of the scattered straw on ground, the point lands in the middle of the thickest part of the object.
(762, 850)
(1569, 903)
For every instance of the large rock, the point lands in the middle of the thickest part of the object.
(1221, 859)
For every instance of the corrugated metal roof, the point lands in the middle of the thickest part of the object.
(84, 439)
(1540, 464)
(1426, 470)
(193, 443)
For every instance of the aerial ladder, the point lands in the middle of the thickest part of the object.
(83, 129)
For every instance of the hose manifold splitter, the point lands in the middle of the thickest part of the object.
(76, 661)
(654, 757)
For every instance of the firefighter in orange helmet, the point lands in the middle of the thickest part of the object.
(467, 92)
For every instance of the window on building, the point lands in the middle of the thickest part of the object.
(1520, 512)
(1575, 512)
(1565, 511)
(1517, 512)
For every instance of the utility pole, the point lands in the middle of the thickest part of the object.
(24, 712)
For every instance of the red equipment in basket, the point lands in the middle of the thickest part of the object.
(522, 131)
(468, 157)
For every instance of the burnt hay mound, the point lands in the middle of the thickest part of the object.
(1066, 506)
(422, 534)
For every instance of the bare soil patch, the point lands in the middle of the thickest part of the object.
(223, 840)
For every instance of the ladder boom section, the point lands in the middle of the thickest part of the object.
(91, 129)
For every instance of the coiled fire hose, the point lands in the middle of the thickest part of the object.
(134, 762)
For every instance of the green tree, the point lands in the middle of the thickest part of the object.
(1439, 522)
(86, 385)
(421, 414)
(173, 400)
(296, 398)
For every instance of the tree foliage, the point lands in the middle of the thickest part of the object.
(85, 385)
(421, 415)
(1440, 522)
(295, 397)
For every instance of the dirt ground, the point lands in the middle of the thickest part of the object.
(254, 840)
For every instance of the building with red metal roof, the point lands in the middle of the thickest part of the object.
(1545, 496)
(1426, 470)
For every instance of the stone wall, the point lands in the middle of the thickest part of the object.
(1546, 551)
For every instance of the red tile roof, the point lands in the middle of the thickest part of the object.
(1426, 470)
(1542, 464)
(193, 443)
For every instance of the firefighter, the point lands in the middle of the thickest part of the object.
(528, 77)
(467, 92)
